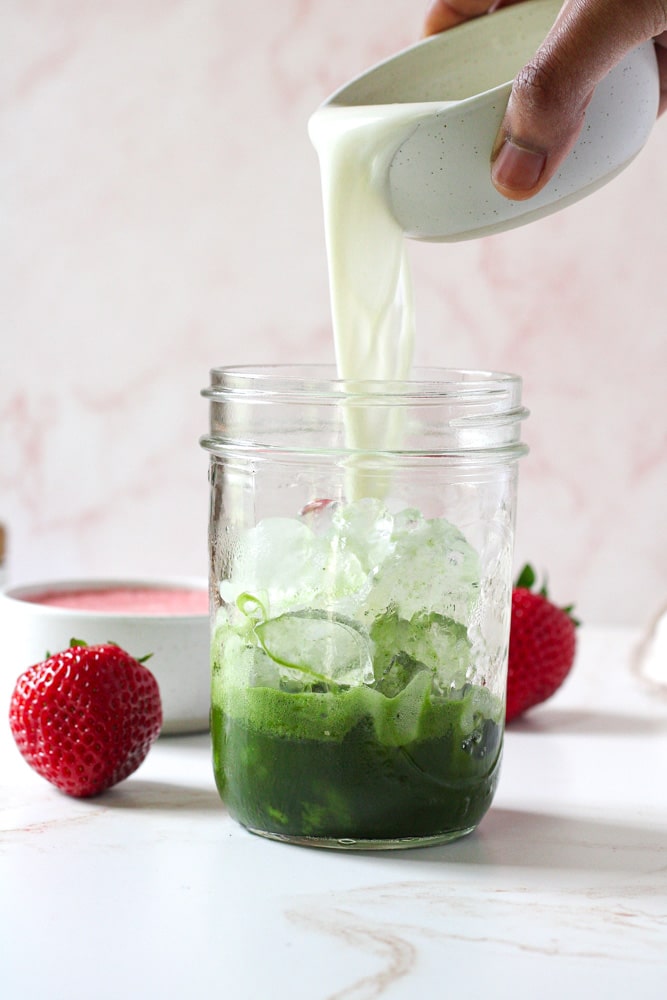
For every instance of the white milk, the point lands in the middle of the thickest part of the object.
(369, 276)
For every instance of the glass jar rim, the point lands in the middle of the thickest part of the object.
(271, 409)
(322, 382)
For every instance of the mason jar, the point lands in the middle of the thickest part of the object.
(360, 541)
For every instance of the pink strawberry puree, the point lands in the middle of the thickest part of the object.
(129, 600)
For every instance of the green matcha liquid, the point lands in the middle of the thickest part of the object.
(340, 767)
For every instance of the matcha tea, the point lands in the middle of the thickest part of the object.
(278, 776)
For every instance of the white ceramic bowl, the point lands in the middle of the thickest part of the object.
(178, 642)
(439, 178)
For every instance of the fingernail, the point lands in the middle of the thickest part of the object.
(517, 168)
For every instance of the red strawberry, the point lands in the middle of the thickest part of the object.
(86, 718)
(542, 646)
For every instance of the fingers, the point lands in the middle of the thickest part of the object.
(443, 14)
(661, 53)
(550, 95)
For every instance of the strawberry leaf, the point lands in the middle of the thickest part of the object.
(568, 611)
(526, 578)
(526, 581)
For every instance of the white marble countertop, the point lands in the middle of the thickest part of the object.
(153, 891)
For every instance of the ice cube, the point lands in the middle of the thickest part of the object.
(428, 640)
(274, 555)
(364, 527)
(324, 646)
(283, 560)
(397, 673)
(397, 720)
(240, 662)
(430, 567)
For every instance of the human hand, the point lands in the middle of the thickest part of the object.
(550, 95)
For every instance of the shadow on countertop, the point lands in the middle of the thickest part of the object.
(556, 721)
(141, 795)
(518, 838)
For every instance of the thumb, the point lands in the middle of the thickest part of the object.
(550, 95)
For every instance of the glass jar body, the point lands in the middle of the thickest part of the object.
(360, 611)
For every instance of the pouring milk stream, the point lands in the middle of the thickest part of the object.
(369, 274)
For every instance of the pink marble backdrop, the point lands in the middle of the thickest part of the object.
(160, 214)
